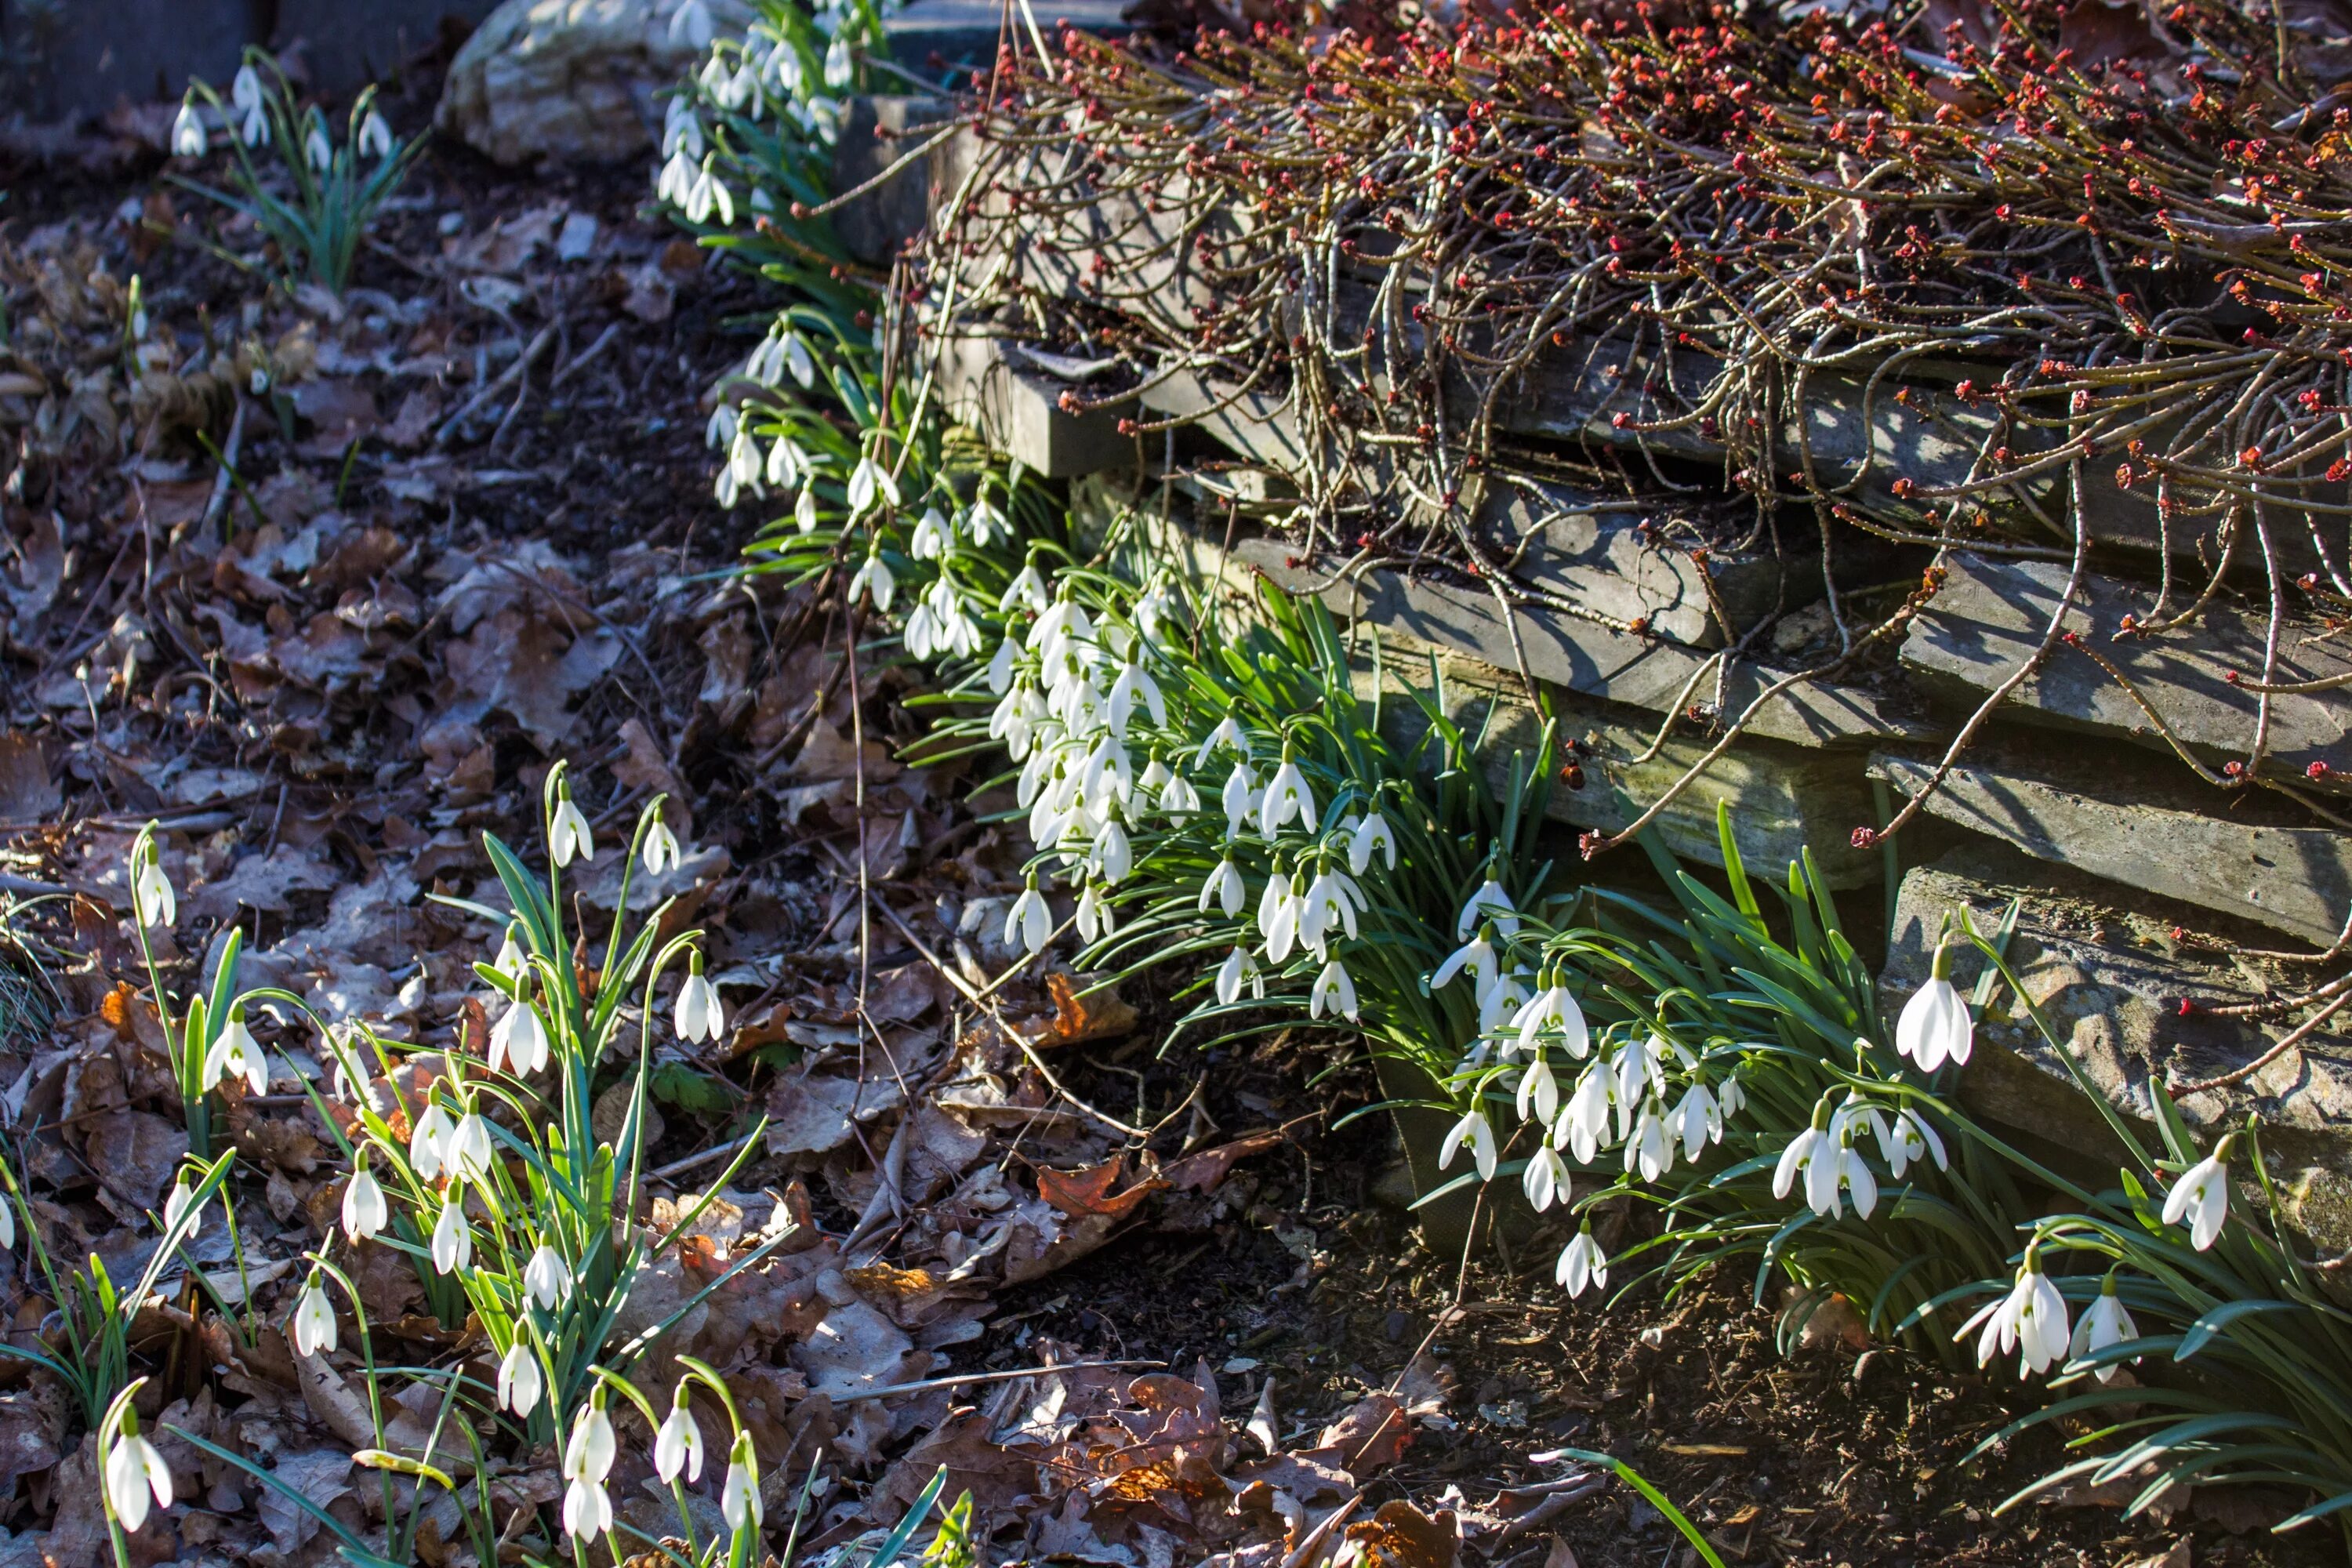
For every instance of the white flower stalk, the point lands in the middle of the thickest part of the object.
(470, 1151)
(739, 1498)
(1696, 1119)
(453, 1239)
(568, 837)
(1805, 1150)
(699, 1015)
(1581, 1263)
(237, 1054)
(1369, 836)
(1584, 1124)
(313, 1327)
(870, 484)
(2202, 1196)
(1553, 1012)
(1476, 957)
(1908, 1140)
(1227, 736)
(188, 138)
(2030, 1320)
(1277, 916)
(1029, 922)
(661, 851)
(1538, 1095)
(134, 1472)
(181, 1197)
(1237, 971)
(1094, 920)
(1471, 1132)
(520, 1381)
(1334, 992)
(678, 1446)
(873, 580)
(518, 1038)
(375, 136)
(1135, 684)
(428, 1142)
(587, 1461)
(2105, 1323)
(151, 892)
(547, 1277)
(1546, 1178)
(1287, 796)
(1649, 1150)
(1489, 904)
(1934, 1027)
(365, 1210)
(932, 539)
(1241, 800)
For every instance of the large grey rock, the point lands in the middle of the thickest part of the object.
(2112, 981)
(569, 79)
(1991, 615)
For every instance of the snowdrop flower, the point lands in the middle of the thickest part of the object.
(1934, 1027)
(2104, 1322)
(1538, 1095)
(1545, 1179)
(739, 1497)
(2030, 1320)
(1277, 916)
(151, 890)
(1155, 606)
(312, 1329)
(1287, 796)
(1732, 1098)
(709, 195)
(984, 522)
(690, 25)
(805, 509)
(787, 464)
(1000, 669)
(317, 150)
(2202, 1196)
(1910, 1139)
(134, 1470)
(1241, 797)
(547, 1277)
(661, 853)
(1369, 837)
(375, 136)
(1488, 903)
(678, 1446)
(1334, 992)
(587, 1461)
(1649, 1150)
(453, 1239)
(1329, 906)
(1135, 682)
(1179, 797)
(182, 1196)
(1586, 1119)
(839, 68)
(1845, 1172)
(470, 1152)
(676, 181)
(519, 1383)
(1238, 969)
(1029, 920)
(364, 1211)
(1473, 1131)
(428, 1143)
(1581, 1263)
(1698, 1119)
(1478, 956)
(1806, 1150)
(1552, 1011)
(1026, 588)
(518, 1038)
(188, 138)
(932, 537)
(1855, 1113)
(568, 837)
(511, 960)
(245, 93)
(1227, 734)
(870, 482)
(681, 131)
(1094, 917)
(799, 361)
(237, 1054)
(874, 578)
(1224, 885)
(699, 1016)
(1154, 778)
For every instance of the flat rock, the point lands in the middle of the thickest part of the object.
(569, 79)
(931, 35)
(2112, 980)
(2295, 879)
(1991, 615)
(1012, 396)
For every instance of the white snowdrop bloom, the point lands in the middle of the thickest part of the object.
(1278, 914)
(245, 88)
(470, 1149)
(1152, 779)
(1029, 921)
(1326, 910)
(1539, 1092)
(1843, 1172)
(873, 580)
(739, 1496)
(1240, 797)
(681, 131)
(1369, 836)
(1581, 1263)
(1806, 1150)
(799, 361)
(805, 515)
(1287, 796)
(587, 1461)
(178, 1204)
(312, 1326)
(568, 835)
(1734, 1098)
(1476, 956)
(1474, 1132)
(870, 483)
(1026, 588)
(1135, 683)
(453, 1239)
(787, 464)
(1552, 1011)
(237, 1054)
(932, 537)
(520, 1038)
(1502, 999)
(1094, 917)
(661, 851)
(675, 182)
(375, 136)
(1179, 797)
(1545, 1179)
(984, 522)
(1154, 609)
(1227, 735)
(1911, 1138)
(691, 26)
(840, 66)
(1065, 628)
(520, 1379)
(134, 1471)
(708, 197)
(151, 892)
(1110, 772)
(2105, 1323)
(547, 1277)
(317, 150)
(365, 1210)
(1490, 902)
(1934, 1027)
(188, 138)
(1010, 721)
(2030, 1320)
(1000, 667)
(1584, 1123)
(1237, 971)
(1224, 885)
(2202, 1196)
(719, 430)
(1114, 856)
(1334, 992)
(1696, 1119)
(1649, 1150)
(678, 1446)
(746, 464)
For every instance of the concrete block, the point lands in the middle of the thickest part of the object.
(929, 37)
(874, 135)
(1015, 406)
(71, 59)
(348, 44)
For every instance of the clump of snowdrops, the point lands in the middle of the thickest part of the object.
(319, 198)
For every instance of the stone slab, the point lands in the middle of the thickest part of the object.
(1015, 408)
(2111, 979)
(1992, 613)
(79, 58)
(2293, 880)
(348, 44)
(929, 37)
(874, 135)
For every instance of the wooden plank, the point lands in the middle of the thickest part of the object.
(1991, 615)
